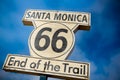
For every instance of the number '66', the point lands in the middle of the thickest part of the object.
(54, 40)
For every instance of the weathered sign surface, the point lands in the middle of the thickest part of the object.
(53, 34)
(50, 67)
(80, 18)
(50, 43)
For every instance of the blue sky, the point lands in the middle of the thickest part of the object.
(100, 46)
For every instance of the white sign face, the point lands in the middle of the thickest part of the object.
(51, 40)
(53, 36)
(80, 18)
(49, 67)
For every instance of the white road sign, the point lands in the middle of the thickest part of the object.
(51, 40)
(49, 67)
(80, 18)
(53, 34)
(50, 43)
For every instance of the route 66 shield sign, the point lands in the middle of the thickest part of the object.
(53, 34)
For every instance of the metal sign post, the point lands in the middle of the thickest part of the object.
(50, 43)
(43, 77)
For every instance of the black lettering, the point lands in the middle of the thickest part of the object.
(79, 18)
(84, 18)
(43, 14)
(23, 63)
(64, 17)
(38, 15)
(17, 62)
(33, 15)
(33, 65)
(45, 65)
(84, 70)
(81, 69)
(38, 63)
(57, 17)
(65, 66)
(49, 66)
(76, 70)
(70, 69)
(74, 17)
(47, 16)
(11, 60)
(57, 68)
(39, 37)
(71, 17)
(56, 38)
(28, 15)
